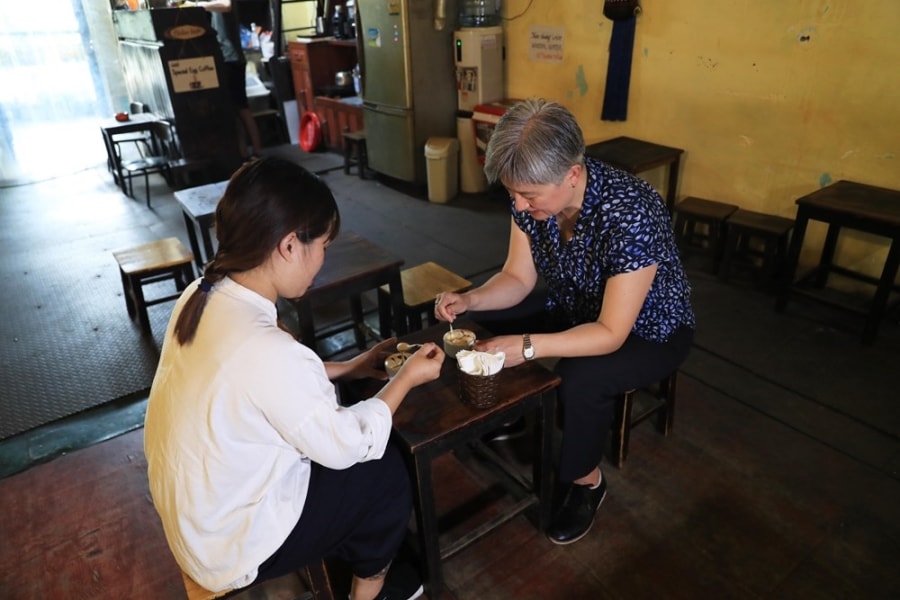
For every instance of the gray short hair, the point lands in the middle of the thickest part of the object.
(535, 142)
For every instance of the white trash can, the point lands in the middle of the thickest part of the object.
(442, 166)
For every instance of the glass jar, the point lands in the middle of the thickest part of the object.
(479, 13)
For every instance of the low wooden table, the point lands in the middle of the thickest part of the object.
(198, 205)
(856, 206)
(433, 421)
(636, 156)
(353, 265)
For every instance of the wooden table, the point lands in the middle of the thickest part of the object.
(111, 128)
(856, 206)
(433, 421)
(353, 265)
(636, 156)
(198, 205)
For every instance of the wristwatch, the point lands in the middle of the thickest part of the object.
(527, 348)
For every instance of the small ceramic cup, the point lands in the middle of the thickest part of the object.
(393, 362)
(458, 339)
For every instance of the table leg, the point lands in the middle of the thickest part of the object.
(427, 523)
(790, 266)
(542, 466)
(207, 242)
(885, 285)
(396, 321)
(356, 314)
(305, 323)
(116, 163)
(827, 257)
(192, 239)
(673, 184)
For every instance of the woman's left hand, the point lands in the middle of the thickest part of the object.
(511, 345)
(370, 364)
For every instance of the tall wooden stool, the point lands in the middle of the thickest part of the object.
(755, 235)
(421, 286)
(316, 576)
(691, 212)
(355, 143)
(663, 408)
(149, 263)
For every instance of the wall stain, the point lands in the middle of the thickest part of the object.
(709, 63)
(581, 81)
(824, 180)
(646, 52)
(806, 34)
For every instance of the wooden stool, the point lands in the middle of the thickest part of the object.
(624, 419)
(150, 263)
(355, 143)
(421, 285)
(636, 156)
(316, 576)
(743, 228)
(691, 212)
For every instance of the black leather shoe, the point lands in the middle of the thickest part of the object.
(575, 515)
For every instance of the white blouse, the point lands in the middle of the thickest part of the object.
(233, 420)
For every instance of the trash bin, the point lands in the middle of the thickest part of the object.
(441, 162)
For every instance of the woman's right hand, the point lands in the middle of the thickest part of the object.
(449, 305)
(423, 365)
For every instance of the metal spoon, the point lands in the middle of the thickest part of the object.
(404, 347)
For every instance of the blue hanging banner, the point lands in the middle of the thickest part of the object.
(621, 47)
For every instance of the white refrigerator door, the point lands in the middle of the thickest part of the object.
(389, 141)
(386, 52)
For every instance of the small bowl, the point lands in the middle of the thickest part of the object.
(393, 362)
(458, 339)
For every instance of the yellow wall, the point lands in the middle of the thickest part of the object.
(769, 100)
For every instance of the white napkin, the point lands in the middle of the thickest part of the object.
(474, 362)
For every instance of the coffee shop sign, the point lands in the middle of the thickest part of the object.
(193, 74)
(545, 44)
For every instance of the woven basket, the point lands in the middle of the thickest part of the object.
(479, 391)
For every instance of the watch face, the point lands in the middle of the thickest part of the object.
(527, 348)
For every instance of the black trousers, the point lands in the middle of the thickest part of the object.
(359, 514)
(590, 384)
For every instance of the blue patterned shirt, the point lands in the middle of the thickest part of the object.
(623, 226)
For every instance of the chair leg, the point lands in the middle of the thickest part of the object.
(319, 581)
(348, 150)
(140, 305)
(622, 428)
(129, 295)
(184, 277)
(665, 416)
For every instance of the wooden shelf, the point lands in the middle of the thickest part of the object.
(313, 66)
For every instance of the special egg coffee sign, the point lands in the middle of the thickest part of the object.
(193, 74)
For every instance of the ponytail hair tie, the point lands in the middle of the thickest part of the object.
(205, 285)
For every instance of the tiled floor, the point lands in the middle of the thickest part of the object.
(780, 479)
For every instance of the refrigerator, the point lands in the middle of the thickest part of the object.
(409, 81)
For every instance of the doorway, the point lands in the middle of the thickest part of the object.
(56, 88)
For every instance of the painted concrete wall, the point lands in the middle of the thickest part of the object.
(770, 99)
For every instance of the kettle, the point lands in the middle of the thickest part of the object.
(343, 78)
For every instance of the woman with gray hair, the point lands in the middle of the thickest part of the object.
(615, 307)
